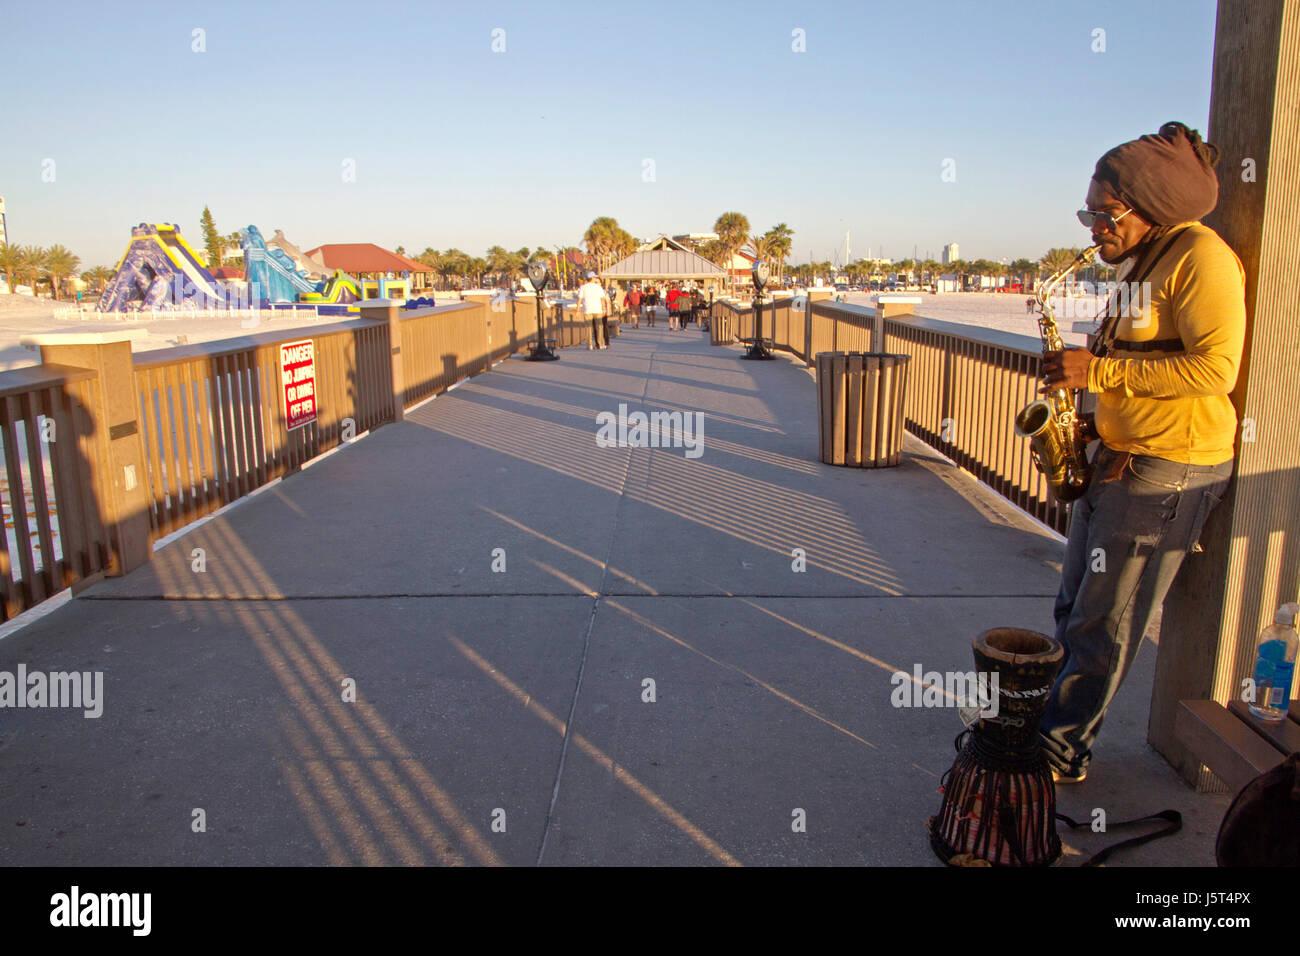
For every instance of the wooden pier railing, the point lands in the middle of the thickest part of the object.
(104, 452)
(212, 418)
(53, 536)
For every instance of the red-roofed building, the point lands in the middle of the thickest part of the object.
(367, 260)
(227, 272)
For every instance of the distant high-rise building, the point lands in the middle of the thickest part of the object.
(4, 233)
(950, 254)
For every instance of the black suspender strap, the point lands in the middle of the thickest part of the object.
(1155, 345)
(1105, 336)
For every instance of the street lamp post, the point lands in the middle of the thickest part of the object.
(539, 275)
(759, 273)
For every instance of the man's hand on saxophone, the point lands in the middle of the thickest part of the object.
(1067, 368)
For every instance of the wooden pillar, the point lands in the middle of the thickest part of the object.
(115, 448)
(484, 299)
(1251, 562)
(386, 310)
(886, 308)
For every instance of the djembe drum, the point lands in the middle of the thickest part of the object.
(999, 801)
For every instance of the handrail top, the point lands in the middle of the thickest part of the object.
(1012, 341)
(18, 380)
(404, 314)
(158, 358)
(852, 308)
(84, 338)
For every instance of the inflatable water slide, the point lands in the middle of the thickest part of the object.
(339, 288)
(159, 267)
(270, 273)
(282, 281)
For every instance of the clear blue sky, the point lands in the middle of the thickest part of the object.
(457, 145)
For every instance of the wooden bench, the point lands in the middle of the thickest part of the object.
(1235, 744)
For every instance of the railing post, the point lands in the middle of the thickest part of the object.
(115, 447)
(386, 310)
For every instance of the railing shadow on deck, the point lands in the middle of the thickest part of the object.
(965, 385)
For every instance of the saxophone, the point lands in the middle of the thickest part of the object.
(1052, 423)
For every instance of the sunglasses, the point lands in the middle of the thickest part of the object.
(1091, 218)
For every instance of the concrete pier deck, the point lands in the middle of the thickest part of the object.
(478, 637)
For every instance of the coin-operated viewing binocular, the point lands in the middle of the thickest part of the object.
(760, 273)
(539, 274)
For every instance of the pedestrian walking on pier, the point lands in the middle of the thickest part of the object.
(594, 304)
(674, 314)
(633, 302)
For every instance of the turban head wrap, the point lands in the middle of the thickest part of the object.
(1167, 177)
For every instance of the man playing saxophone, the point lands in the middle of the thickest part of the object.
(1162, 368)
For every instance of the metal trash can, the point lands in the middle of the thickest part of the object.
(860, 408)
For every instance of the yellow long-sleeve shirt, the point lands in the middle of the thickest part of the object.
(1174, 404)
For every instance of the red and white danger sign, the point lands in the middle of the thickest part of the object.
(298, 374)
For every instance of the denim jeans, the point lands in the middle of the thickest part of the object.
(1128, 537)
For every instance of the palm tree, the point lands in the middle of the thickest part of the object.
(97, 277)
(780, 242)
(59, 264)
(11, 262)
(607, 242)
(1057, 259)
(498, 261)
(761, 246)
(1025, 270)
(733, 232)
(733, 229)
(716, 251)
(599, 237)
(31, 265)
(451, 263)
(477, 268)
(518, 263)
(626, 245)
(232, 241)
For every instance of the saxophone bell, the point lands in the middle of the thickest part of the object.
(1054, 449)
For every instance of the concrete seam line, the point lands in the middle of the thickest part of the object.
(591, 625)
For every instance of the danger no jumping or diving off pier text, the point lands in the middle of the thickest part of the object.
(298, 374)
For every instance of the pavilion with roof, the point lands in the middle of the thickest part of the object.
(663, 261)
(365, 260)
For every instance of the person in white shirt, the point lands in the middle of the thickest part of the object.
(594, 304)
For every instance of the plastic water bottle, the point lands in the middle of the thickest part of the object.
(1275, 665)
